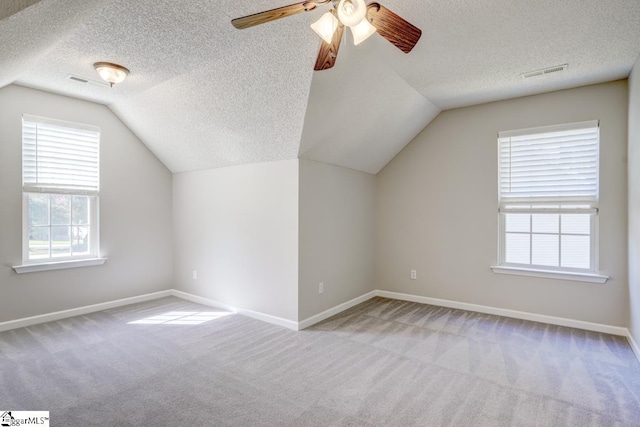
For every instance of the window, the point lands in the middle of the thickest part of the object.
(60, 179)
(548, 195)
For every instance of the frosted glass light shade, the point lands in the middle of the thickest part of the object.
(326, 26)
(111, 73)
(351, 12)
(362, 31)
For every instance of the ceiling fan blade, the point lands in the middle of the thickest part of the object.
(399, 32)
(273, 14)
(329, 51)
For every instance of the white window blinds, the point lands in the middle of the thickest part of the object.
(59, 157)
(550, 164)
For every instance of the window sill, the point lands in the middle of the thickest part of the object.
(550, 274)
(59, 265)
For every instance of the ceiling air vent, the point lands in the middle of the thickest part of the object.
(85, 81)
(78, 79)
(544, 71)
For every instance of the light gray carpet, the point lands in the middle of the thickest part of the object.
(382, 363)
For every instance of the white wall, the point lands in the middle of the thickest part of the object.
(238, 228)
(337, 236)
(437, 208)
(135, 213)
(634, 201)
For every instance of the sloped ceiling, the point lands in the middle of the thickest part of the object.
(202, 94)
(347, 125)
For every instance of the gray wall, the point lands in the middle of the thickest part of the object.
(135, 213)
(337, 236)
(634, 202)
(238, 228)
(437, 208)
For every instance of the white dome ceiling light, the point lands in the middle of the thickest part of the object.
(111, 73)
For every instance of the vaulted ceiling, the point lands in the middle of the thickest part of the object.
(203, 94)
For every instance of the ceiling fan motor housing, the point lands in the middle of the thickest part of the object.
(351, 12)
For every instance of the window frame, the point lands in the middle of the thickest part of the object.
(563, 205)
(69, 261)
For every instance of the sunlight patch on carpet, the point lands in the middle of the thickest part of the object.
(181, 318)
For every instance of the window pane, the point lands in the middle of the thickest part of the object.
(60, 242)
(38, 209)
(60, 209)
(80, 240)
(38, 242)
(80, 206)
(576, 251)
(576, 224)
(517, 248)
(545, 223)
(517, 223)
(545, 250)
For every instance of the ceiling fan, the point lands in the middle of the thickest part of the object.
(363, 19)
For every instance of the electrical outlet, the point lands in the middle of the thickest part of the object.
(321, 288)
(414, 274)
(195, 275)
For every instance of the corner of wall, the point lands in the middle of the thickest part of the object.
(336, 237)
(634, 202)
(237, 228)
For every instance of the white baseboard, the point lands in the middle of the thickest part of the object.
(280, 321)
(49, 317)
(634, 345)
(335, 310)
(290, 324)
(560, 321)
(201, 300)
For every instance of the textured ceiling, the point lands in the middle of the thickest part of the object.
(8, 8)
(202, 94)
(347, 125)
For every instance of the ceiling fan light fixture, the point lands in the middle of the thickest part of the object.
(111, 73)
(362, 31)
(326, 26)
(352, 12)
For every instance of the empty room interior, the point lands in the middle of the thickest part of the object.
(327, 213)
